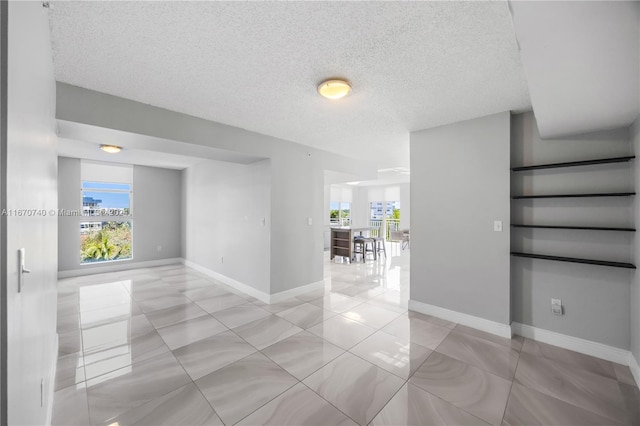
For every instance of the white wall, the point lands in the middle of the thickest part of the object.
(31, 184)
(459, 186)
(157, 217)
(225, 206)
(362, 196)
(595, 298)
(360, 209)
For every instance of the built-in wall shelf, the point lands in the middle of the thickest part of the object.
(575, 260)
(604, 194)
(596, 195)
(588, 228)
(574, 163)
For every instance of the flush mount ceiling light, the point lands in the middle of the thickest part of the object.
(111, 149)
(334, 89)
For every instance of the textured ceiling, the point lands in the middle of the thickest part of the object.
(256, 65)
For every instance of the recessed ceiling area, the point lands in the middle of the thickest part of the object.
(582, 61)
(87, 150)
(78, 140)
(257, 65)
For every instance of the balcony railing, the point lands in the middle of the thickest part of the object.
(376, 224)
(344, 221)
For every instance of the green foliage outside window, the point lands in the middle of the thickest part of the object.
(112, 242)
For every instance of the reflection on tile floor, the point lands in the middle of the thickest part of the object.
(167, 345)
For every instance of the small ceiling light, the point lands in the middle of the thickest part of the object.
(334, 89)
(111, 149)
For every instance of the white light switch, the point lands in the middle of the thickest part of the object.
(310, 221)
(497, 226)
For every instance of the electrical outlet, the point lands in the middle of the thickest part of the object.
(222, 260)
(556, 307)
(159, 248)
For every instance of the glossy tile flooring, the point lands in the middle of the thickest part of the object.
(169, 346)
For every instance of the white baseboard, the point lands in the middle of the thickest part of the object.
(117, 266)
(502, 330)
(288, 294)
(247, 289)
(635, 368)
(52, 381)
(576, 344)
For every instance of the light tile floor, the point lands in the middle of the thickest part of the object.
(168, 345)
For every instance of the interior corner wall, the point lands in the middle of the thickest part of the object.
(595, 298)
(459, 186)
(326, 220)
(405, 206)
(183, 213)
(228, 220)
(297, 197)
(327, 205)
(157, 217)
(30, 188)
(69, 186)
(157, 221)
(297, 174)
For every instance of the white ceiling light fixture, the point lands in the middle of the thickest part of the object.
(111, 149)
(334, 89)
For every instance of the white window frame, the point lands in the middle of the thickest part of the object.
(99, 218)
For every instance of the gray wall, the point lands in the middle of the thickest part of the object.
(157, 213)
(297, 172)
(225, 205)
(31, 184)
(635, 283)
(595, 298)
(69, 186)
(297, 195)
(157, 216)
(405, 206)
(459, 186)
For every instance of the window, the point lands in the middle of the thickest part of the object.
(340, 205)
(392, 209)
(106, 226)
(340, 213)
